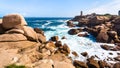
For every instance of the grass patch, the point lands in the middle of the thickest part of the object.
(15, 66)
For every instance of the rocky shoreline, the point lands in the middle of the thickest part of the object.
(105, 28)
(23, 45)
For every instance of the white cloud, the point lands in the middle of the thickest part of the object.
(112, 7)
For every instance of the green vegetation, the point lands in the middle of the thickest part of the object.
(15, 66)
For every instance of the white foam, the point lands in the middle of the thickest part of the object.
(80, 44)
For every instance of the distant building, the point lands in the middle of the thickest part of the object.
(119, 12)
(81, 13)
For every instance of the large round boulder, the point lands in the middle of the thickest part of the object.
(11, 20)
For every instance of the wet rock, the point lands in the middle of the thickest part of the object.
(63, 37)
(106, 47)
(39, 31)
(83, 35)
(117, 58)
(54, 38)
(103, 64)
(111, 53)
(73, 31)
(75, 54)
(84, 54)
(70, 23)
(92, 31)
(58, 44)
(79, 64)
(92, 63)
(13, 20)
(118, 53)
(64, 49)
(116, 65)
(12, 37)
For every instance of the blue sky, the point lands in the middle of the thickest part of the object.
(58, 8)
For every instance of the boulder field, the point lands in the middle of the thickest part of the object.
(24, 45)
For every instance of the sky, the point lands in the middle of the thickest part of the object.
(58, 8)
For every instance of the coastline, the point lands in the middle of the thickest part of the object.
(39, 52)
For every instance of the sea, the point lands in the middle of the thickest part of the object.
(56, 26)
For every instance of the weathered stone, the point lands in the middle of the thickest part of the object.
(44, 64)
(102, 36)
(79, 64)
(58, 44)
(12, 20)
(103, 64)
(66, 48)
(116, 65)
(37, 30)
(97, 20)
(50, 46)
(92, 63)
(12, 37)
(12, 31)
(75, 54)
(54, 38)
(106, 47)
(117, 58)
(30, 33)
(62, 65)
(41, 38)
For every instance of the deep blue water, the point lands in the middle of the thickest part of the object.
(45, 23)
